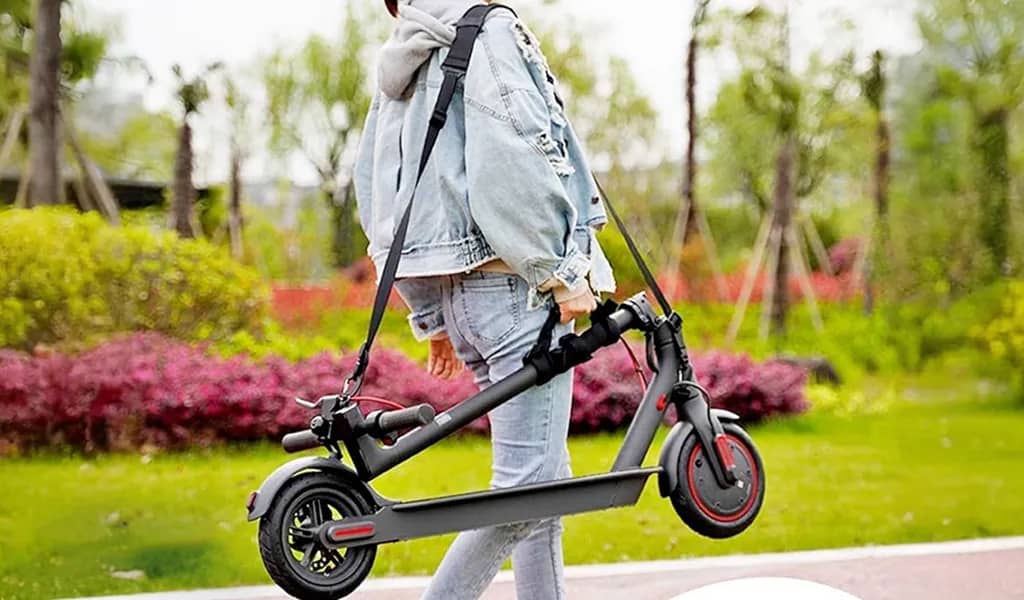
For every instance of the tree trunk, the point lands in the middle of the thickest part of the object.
(349, 242)
(783, 217)
(690, 172)
(184, 196)
(43, 133)
(235, 222)
(992, 145)
(883, 162)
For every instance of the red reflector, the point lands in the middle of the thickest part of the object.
(661, 402)
(251, 501)
(725, 451)
(352, 531)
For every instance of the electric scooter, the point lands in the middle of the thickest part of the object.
(320, 521)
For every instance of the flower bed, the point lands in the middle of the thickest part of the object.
(146, 389)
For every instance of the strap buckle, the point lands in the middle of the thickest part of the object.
(438, 118)
(456, 65)
(354, 382)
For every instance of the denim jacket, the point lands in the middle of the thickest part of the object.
(507, 179)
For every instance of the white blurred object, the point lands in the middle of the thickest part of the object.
(766, 588)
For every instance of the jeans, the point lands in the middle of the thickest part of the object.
(491, 331)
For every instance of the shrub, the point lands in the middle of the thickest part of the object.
(67, 277)
(146, 389)
(1004, 335)
(845, 402)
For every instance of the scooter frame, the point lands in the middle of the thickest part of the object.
(674, 384)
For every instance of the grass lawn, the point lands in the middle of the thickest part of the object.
(939, 465)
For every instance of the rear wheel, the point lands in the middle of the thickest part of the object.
(705, 506)
(292, 552)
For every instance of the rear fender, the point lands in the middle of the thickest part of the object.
(669, 458)
(260, 503)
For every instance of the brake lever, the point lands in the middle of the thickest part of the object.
(308, 404)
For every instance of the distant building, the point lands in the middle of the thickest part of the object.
(131, 195)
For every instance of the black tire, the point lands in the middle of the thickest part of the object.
(300, 503)
(706, 507)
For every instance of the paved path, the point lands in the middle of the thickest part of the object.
(969, 570)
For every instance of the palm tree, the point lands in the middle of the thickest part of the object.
(238, 107)
(192, 93)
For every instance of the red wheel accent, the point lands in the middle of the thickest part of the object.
(694, 454)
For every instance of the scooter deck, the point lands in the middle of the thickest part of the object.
(462, 512)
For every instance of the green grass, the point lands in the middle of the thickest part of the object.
(942, 464)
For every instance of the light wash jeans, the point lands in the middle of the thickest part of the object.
(491, 331)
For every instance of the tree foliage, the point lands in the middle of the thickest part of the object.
(318, 96)
(768, 101)
(975, 50)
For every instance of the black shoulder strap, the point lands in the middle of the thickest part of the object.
(454, 67)
(652, 283)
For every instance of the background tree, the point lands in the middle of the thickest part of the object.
(875, 83)
(808, 115)
(978, 57)
(15, 25)
(689, 203)
(690, 221)
(318, 99)
(83, 50)
(238, 111)
(191, 93)
(44, 173)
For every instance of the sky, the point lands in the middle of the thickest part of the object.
(650, 34)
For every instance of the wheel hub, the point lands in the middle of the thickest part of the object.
(723, 504)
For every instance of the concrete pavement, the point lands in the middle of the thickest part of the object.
(990, 569)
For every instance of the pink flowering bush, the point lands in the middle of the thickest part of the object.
(607, 389)
(843, 255)
(148, 390)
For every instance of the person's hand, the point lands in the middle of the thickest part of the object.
(443, 362)
(580, 306)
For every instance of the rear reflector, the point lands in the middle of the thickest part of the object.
(355, 531)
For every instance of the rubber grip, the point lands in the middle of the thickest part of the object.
(406, 418)
(300, 441)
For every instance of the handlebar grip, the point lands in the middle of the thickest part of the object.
(595, 338)
(300, 441)
(406, 418)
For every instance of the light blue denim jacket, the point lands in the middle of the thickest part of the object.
(507, 179)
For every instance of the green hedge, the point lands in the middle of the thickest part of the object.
(1003, 335)
(69, 278)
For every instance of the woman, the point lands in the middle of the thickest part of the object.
(503, 226)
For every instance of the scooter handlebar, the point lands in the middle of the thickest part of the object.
(406, 418)
(300, 441)
(595, 338)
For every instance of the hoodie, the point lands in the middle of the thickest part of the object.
(423, 26)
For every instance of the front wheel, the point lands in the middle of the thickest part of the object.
(706, 507)
(292, 553)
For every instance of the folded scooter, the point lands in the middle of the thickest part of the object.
(320, 521)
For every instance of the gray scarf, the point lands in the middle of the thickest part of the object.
(423, 26)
